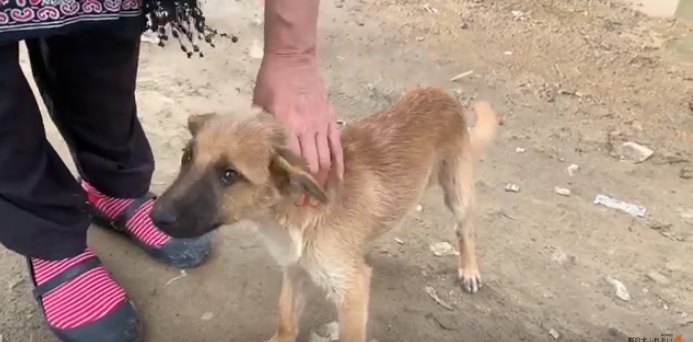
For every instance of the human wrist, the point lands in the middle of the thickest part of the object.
(291, 29)
(293, 59)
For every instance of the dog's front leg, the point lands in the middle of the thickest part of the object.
(291, 303)
(353, 307)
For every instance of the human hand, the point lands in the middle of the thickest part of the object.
(290, 88)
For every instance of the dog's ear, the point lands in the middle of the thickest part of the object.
(290, 175)
(197, 121)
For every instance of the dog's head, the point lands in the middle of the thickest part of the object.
(234, 167)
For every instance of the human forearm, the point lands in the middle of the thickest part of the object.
(291, 27)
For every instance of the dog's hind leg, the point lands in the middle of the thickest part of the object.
(456, 177)
(292, 301)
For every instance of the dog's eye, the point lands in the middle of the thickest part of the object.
(229, 176)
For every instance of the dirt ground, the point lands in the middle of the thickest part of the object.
(573, 81)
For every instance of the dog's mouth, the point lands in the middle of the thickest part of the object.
(195, 232)
(214, 226)
(187, 234)
(187, 228)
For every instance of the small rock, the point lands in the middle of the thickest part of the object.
(399, 241)
(658, 277)
(621, 290)
(637, 126)
(420, 38)
(560, 257)
(430, 9)
(520, 150)
(687, 213)
(634, 152)
(440, 249)
(645, 290)
(517, 14)
(686, 173)
(554, 334)
(562, 191)
(329, 332)
(464, 26)
(418, 208)
(317, 338)
(341, 123)
(572, 169)
(508, 53)
(510, 187)
(207, 316)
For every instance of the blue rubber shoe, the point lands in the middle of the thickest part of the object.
(120, 324)
(134, 221)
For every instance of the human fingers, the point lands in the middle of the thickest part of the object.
(294, 145)
(293, 141)
(324, 153)
(309, 150)
(309, 153)
(324, 161)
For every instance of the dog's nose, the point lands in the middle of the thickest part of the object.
(163, 217)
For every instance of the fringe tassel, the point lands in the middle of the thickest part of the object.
(185, 22)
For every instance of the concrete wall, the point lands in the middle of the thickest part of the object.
(660, 8)
(685, 9)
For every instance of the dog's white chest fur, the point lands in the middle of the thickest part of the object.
(284, 244)
(287, 247)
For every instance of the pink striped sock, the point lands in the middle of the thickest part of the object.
(140, 224)
(82, 300)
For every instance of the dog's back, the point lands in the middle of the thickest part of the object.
(392, 156)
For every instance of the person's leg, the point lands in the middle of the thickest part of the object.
(41, 205)
(45, 219)
(87, 80)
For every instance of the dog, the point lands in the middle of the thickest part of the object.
(239, 167)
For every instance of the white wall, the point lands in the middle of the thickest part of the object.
(665, 8)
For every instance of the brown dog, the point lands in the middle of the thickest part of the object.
(239, 167)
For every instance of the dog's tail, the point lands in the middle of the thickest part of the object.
(485, 129)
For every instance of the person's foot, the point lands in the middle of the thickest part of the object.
(131, 216)
(81, 302)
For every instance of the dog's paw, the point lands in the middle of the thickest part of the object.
(470, 280)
